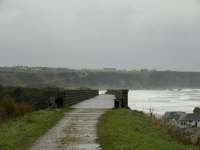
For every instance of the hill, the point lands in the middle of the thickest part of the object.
(123, 129)
(69, 78)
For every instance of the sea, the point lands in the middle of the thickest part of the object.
(161, 101)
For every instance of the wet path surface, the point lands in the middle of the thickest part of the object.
(77, 130)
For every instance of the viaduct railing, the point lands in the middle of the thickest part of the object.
(72, 97)
(49, 97)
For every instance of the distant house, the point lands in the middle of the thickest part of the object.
(110, 69)
(182, 119)
(190, 120)
(174, 117)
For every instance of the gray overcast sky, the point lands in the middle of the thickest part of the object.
(131, 34)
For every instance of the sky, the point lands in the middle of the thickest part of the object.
(125, 34)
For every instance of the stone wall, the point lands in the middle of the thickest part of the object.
(121, 96)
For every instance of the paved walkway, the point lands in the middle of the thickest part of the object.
(99, 102)
(77, 130)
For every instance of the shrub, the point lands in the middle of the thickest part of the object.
(9, 108)
(23, 108)
(196, 110)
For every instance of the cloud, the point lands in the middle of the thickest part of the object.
(92, 33)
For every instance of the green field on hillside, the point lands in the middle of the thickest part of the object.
(123, 129)
(20, 133)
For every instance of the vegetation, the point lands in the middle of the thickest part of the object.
(37, 98)
(187, 136)
(123, 129)
(66, 78)
(196, 110)
(9, 108)
(21, 132)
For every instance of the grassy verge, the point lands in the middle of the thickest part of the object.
(20, 133)
(123, 129)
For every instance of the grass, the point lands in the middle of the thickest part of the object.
(20, 133)
(123, 129)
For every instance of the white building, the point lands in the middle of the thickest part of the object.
(174, 117)
(182, 119)
(190, 120)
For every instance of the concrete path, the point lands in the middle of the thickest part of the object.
(99, 102)
(77, 130)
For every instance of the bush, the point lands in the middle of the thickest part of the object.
(9, 108)
(196, 110)
(22, 109)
